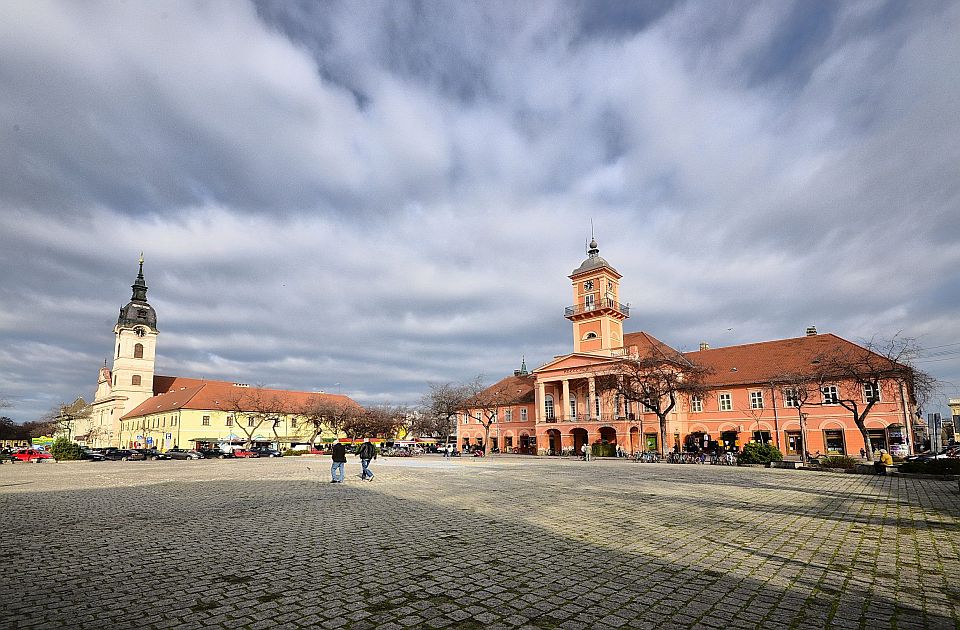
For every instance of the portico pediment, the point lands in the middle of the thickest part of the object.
(575, 363)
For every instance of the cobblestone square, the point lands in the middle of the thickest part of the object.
(501, 543)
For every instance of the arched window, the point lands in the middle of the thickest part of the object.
(135, 380)
(590, 335)
(573, 406)
(138, 351)
(548, 406)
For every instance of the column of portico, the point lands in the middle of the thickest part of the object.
(541, 397)
(565, 402)
(591, 395)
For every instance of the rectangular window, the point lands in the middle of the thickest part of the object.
(756, 401)
(762, 437)
(508, 415)
(831, 396)
(696, 404)
(790, 397)
(523, 414)
(249, 421)
(229, 421)
(293, 422)
(588, 302)
(494, 416)
(726, 402)
(871, 393)
(466, 418)
(206, 421)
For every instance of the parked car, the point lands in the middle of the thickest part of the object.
(30, 455)
(214, 453)
(93, 455)
(245, 452)
(264, 451)
(151, 453)
(182, 453)
(122, 454)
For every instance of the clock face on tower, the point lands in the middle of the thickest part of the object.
(140, 331)
(588, 285)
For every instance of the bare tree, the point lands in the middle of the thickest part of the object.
(376, 421)
(656, 380)
(862, 376)
(439, 408)
(798, 391)
(250, 408)
(486, 404)
(64, 419)
(323, 413)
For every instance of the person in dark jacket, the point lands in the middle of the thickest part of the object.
(339, 453)
(367, 452)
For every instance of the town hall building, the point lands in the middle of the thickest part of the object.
(559, 406)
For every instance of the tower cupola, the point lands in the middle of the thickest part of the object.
(597, 313)
(138, 311)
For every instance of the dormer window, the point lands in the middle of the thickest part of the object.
(141, 313)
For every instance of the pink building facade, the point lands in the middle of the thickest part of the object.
(558, 407)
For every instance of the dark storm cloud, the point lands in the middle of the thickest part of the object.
(383, 194)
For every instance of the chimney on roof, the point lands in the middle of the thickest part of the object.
(811, 331)
(704, 345)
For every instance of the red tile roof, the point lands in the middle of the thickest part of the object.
(522, 386)
(174, 392)
(647, 344)
(762, 362)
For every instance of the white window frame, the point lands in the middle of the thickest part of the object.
(573, 407)
(866, 395)
(549, 408)
(596, 405)
(523, 414)
(756, 399)
(725, 401)
(696, 404)
(206, 421)
(508, 415)
(589, 302)
(831, 394)
(789, 397)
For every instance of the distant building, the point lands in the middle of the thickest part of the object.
(135, 408)
(559, 408)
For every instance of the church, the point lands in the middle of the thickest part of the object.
(561, 405)
(135, 408)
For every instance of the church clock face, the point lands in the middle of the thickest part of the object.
(588, 285)
(140, 331)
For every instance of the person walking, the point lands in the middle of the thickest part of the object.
(367, 452)
(339, 453)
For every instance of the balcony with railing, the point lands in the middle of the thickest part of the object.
(605, 304)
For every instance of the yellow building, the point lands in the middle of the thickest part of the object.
(135, 408)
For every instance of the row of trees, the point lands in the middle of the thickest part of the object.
(658, 380)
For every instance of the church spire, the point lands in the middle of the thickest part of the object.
(139, 286)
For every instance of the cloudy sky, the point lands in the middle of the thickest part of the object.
(366, 197)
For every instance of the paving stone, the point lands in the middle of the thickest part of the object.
(498, 543)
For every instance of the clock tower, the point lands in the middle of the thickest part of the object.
(130, 381)
(597, 314)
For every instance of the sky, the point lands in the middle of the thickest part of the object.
(366, 197)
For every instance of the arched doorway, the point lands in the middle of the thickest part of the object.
(580, 437)
(608, 435)
(634, 439)
(553, 441)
